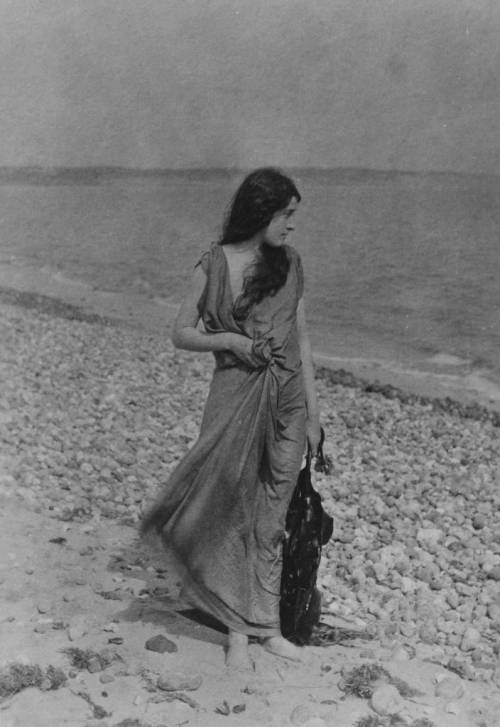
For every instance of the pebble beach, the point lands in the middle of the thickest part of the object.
(95, 414)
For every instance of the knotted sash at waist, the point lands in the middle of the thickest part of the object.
(263, 355)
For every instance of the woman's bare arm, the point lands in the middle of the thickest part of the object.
(313, 423)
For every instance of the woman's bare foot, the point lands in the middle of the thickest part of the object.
(282, 647)
(237, 656)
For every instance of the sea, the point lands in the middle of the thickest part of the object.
(400, 266)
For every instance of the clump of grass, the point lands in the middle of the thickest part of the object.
(404, 689)
(97, 711)
(394, 720)
(81, 658)
(131, 723)
(55, 677)
(373, 720)
(362, 680)
(369, 721)
(16, 677)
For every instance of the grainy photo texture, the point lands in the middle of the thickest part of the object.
(249, 363)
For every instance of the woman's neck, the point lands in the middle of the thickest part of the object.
(246, 247)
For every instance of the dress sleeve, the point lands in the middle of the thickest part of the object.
(204, 262)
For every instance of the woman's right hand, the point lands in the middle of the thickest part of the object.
(241, 346)
(255, 354)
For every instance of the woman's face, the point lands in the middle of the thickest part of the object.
(277, 231)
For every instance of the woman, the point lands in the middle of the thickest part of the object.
(223, 512)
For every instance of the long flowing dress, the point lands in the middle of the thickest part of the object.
(223, 510)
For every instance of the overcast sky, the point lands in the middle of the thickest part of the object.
(405, 84)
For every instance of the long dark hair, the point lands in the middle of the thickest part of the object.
(262, 193)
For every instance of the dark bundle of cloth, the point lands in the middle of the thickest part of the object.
(308, 529)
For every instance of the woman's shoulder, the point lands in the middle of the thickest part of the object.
(207, 257)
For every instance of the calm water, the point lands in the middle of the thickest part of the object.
(399, 266)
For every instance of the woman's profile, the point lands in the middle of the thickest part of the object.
(222, 512)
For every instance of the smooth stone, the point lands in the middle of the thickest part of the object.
(471, 639)
(428, 634)
(390, 629)
(494, 573)
(453, 639)
(425, 573)
(408, 585)
(493, 611)
(399, 653)
(161, 645)
(106, 678)
(452, 598)
(485, 598)
(76, 631)
(386, 700)
(479, 521)
(42, 628)
(429, 538)
(301, 714)
(450, 688)
(179, 681)
(407, 629)
(44, 606)
(79, 580)
(464, 589)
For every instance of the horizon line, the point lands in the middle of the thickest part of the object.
(120, 169)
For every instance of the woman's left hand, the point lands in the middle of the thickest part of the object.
(313, 431)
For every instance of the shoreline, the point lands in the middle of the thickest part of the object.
(443, 378)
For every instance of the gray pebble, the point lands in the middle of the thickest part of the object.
(179, 681)
(161, 644)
